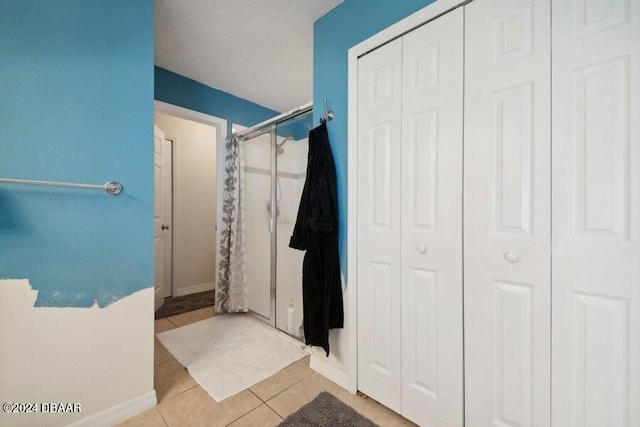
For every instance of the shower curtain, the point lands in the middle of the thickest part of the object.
(231, 287)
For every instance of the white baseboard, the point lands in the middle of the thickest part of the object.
(120, 412)
(329, 371)
(194, 289)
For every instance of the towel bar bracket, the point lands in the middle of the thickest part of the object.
(113, 188)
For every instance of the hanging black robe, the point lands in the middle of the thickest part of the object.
(316, 231)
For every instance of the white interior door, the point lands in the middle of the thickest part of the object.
(507, 213)
(596, 213)
(158, 216)
(431, 222)
(167, 206)
(378, 231)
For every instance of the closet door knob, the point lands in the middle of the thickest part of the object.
(421, 249)
(511, 257)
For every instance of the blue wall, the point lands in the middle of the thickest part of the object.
(76, 104)
(178, 90)
(333, 35)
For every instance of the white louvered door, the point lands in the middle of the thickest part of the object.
(507, 213)
(596, 213)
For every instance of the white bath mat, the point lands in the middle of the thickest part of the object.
(228, 353)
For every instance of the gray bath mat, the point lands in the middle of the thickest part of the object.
(326, 411)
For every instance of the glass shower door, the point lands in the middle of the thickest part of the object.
(291, 165)
(255, 177)
(273, 166)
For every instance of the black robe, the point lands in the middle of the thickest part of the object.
(316, 231)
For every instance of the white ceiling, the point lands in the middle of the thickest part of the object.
(260, 50)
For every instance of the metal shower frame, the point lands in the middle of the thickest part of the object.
(253, 132)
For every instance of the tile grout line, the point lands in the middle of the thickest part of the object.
(262, 402)
(278, 394)
(166, 423)
(259, 398)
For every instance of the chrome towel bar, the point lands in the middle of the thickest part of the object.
(112, 188)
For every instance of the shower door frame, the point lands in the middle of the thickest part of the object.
(260, 129)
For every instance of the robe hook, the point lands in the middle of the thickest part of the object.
(328, 114)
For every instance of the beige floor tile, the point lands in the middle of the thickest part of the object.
(238, 405)
(357, 402)
(195, 408)
(171, 378)
(384, 416)
(160, 353)
(262, 416)
(306, 390)
(184, 403)
(192, 316)
(150, 418)
(162, 325)
(284, 379)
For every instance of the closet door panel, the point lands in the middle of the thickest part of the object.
(507, 213)
(596, 213)
(378, 232)
(431, 222)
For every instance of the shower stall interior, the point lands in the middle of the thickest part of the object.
(273, 170)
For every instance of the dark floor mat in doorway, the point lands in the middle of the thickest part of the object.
(326, 410)
(177, 305)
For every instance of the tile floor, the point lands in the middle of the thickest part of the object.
(183, 403)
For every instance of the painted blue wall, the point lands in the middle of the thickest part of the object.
(333, 35)
(76, 104)
(178, 90)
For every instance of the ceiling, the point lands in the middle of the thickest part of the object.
(255, 49)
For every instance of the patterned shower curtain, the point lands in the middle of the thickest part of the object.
(231, 287)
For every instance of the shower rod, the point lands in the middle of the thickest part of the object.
(282, 117)
(112, 188)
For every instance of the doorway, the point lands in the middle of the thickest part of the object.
(193, 141)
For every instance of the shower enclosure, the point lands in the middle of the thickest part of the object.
(273, 169)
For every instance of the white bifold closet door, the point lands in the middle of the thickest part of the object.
(507, 214)
(379, 157)
(409, 152)
(596, 213)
